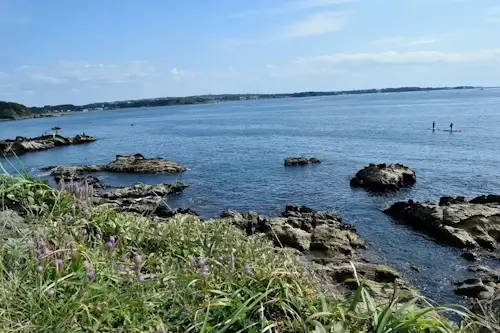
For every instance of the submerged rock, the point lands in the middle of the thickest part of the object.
(461, 224)
(136, 163)
(295, 161)
(384, 177)
(21, 145)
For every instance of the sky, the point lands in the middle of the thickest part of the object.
(57, 51)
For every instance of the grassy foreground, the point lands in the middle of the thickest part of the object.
(78, 268)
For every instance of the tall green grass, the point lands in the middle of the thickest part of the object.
(79, 268)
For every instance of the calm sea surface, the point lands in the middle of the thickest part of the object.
(234, 153)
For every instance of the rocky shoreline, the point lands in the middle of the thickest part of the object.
(328, 245)
(22, 145)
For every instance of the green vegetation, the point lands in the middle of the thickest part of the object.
(78, 268)
(9, 110)
(169, 101)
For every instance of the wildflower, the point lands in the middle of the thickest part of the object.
(138, 261)
(84, 233)
(58, 262)
(202, 262)
(51, 292)
(86, 265)
(110, 245)
(191, 261)
(112, 239)
(140, 278)
(232, 262)
(90, 274)
(204, 273)
(39, 269)
(118, 267)
(247, 270)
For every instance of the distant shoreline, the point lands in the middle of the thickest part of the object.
(64, 109)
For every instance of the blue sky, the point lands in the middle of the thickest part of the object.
(57, 51)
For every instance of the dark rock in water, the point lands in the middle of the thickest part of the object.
(486, 199)
(473, 288)
(469, 255)
(487, 274)
(464, 225)
(384, 177)
(446, 201)
(130, 164)
(295, 161)
(22, 145)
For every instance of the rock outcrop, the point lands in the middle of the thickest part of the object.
(136, 163)
(21, 145)
(142, 199)
(296, 161)
(473, 224)
(324, 238)
(384, 177)
(483, 287)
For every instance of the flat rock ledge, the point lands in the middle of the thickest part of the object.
(22, 145)
(143, 199)
(326, 241)
(384, 177)
(136, 163)
(455, 221)
(300, 161)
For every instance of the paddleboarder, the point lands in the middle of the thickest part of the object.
(433, 126)
(451, 127)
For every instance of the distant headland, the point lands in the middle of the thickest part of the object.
(14, 111)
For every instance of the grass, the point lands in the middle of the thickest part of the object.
(78, 268)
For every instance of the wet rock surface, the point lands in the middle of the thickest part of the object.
(300, 161)
(22, 145)
(326, 240)
(384, 177)
(136, 163)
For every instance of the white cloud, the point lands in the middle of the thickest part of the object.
(393, 57)
(178, 74)
(492, 19)
(291, 6)
(316, 24)
(409, 41)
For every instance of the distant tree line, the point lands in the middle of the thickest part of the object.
(15, 111)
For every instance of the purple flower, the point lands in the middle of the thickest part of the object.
(86, 265)
(247, 270)
(140, 278)
(90, 275)
(51, 292)
(118, 267)
(202, 262)
(39, 269)
(204, 273)
(84, 232)
(58, 262)
(112, 239)
(138, 261)
(191, 261)
(232, 262)
(109, 245)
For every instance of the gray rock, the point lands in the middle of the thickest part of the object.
(384, 177)
(296, 161)
(11, 223)
(464, 225)
(22, 145)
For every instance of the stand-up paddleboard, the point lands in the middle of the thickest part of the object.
(451, 131)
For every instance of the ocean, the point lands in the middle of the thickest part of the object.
(234, 154)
